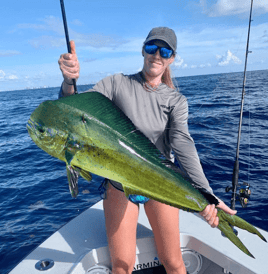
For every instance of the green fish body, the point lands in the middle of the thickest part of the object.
(92, 135)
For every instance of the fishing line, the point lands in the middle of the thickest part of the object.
(249, 133)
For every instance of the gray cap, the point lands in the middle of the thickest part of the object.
(165, 34)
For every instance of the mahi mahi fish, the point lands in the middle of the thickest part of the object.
(92, 135)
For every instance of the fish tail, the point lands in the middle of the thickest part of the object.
(225, 223)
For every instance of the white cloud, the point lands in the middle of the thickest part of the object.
(56, 37)
(89, 60)
(6, 77)
(39, 76)
(233, 7)
(211, 39)
(264, 37)
(12, 77)
(96, 40)
(49, 23)
(2, 74)
(128, 45)
(4, 53)
(179, 62)
(201, 66)
(198, 47)
(77, 22)
(45, 41)
(207, 65)
(227, 58)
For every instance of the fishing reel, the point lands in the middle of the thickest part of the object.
(243, 195)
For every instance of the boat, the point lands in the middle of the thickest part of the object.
(80, 247)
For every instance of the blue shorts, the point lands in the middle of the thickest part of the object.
(136, 199)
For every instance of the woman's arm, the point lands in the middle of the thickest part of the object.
(185, 151)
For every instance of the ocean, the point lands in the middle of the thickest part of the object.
(34, 194)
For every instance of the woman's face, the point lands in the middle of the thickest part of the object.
(154, 64)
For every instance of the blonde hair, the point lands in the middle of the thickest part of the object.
(167, 79)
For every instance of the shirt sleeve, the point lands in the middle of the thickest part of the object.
(106, 86)
(183, 146)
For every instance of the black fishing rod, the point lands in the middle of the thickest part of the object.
(244, 192)
(67, 36)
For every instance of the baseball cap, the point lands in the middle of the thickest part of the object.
(165, 34)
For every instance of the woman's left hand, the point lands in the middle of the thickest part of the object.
(210, 213)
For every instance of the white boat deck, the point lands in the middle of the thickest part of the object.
(82, 244)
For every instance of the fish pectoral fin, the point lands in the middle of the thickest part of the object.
(73, 175)
(225, 223)
(86, 175)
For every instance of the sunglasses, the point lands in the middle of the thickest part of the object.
(152, 49)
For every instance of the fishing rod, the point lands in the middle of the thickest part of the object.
(244, 192)
(67, 36)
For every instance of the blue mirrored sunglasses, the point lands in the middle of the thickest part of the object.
(164, 52)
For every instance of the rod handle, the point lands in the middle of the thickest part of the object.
(67, 37)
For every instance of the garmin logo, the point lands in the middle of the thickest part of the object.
(146, 265)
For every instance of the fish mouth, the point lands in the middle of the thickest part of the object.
(34, 127)
(38, 131)
(30, 125)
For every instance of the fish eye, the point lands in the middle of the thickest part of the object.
(41, 130)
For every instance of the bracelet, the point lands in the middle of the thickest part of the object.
(68, 84)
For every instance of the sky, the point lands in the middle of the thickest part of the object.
(109, 35)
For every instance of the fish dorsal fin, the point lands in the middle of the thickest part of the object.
(95, 104)
(98, 106)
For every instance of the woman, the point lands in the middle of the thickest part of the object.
(156, 108)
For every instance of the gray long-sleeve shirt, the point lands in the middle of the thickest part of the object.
(160, 114)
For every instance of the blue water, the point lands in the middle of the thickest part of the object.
(34, 195)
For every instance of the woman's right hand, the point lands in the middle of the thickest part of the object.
(69, 65)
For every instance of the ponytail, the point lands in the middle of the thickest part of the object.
(166, 78)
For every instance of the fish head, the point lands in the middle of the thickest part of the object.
(66, 124)
(49, 127)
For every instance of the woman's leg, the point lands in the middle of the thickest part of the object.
(164, 220)
(121, 217)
